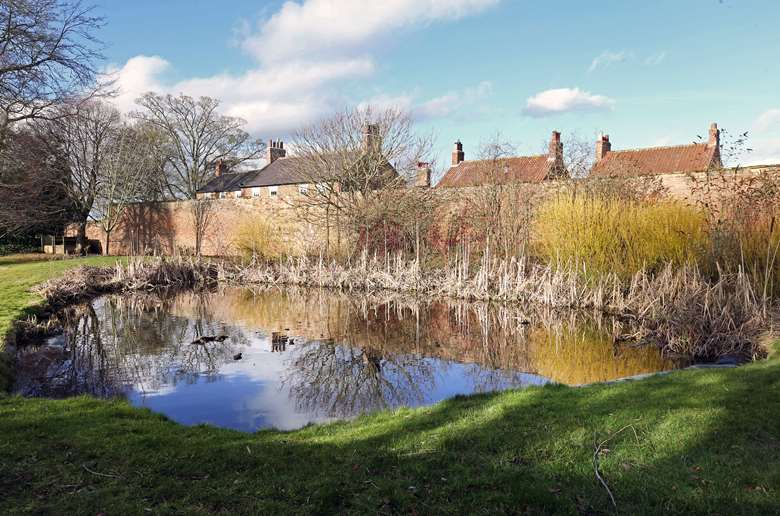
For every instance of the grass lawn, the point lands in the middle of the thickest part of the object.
(693, 442)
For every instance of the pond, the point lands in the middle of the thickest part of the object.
(249, 359)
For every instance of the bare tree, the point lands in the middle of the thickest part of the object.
(501, 208)
(196, 137)
(126, 176)
(83, 133)
(32, 197)
(359, 164)
(48, 56)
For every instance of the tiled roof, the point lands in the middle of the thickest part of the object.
(283, 171)
(527, 169)
(695, 157)
(227, 182)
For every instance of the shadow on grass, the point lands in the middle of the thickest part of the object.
(699, 442)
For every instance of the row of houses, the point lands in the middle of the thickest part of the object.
(281, 176)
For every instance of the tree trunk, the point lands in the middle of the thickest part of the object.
(107, 251)
(81, 238)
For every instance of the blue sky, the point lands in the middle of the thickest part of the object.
(646, 73)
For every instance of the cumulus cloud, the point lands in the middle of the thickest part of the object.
(138, 75)
(272, 99)
(322, 27)
(304, 51)
(564, 100)
(608, 58)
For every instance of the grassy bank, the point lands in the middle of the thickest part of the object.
(19, 273)
(694, 442)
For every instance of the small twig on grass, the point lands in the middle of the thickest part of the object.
(596, 454)
(99, 474)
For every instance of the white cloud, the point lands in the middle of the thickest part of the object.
(766, 151)
(138, 75)
(438, 107)
(323, 27)
(767, 120)
(305, 51)
(608, 58)
(274, 99)
(765, 139)
(655, 59)
(564, 100)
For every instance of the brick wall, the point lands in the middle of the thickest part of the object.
(168, 228)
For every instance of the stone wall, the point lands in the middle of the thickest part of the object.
(168, 227)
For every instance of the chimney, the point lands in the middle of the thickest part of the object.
(219, 169)
(714, 140)
(457, 155)
(602, 147)
(555, 155)
(555, 152)
(423, 177)
(275, 151)
(371, 138)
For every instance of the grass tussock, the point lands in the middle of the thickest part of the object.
(609, 235)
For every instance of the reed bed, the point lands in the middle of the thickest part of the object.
(139, 274)
(676, 308)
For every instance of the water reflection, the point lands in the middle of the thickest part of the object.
(249, 359)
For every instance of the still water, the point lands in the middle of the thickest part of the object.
(251, 359)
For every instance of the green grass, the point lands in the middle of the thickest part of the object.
(706, 442)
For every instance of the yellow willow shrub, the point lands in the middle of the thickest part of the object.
(749, 240)
(256, 238)
(621, 236)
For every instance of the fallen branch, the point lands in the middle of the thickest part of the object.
(596, 454)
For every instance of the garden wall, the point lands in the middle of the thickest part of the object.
(168, 227)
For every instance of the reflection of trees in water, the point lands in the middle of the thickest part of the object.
(117, 342)
(82, 364)
(337, 380)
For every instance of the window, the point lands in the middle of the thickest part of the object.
(273, 191)
(255, 192)
(303, 189)
(238, 194)
(221, 195)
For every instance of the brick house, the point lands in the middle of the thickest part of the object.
(285, 176)
(522, 169)
(678, 159)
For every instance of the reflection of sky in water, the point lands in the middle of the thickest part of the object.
(249, 394)
(398, 356)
